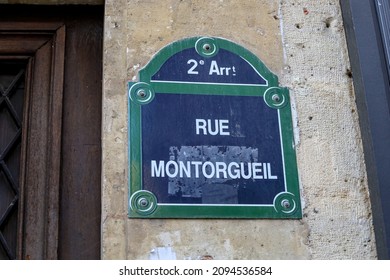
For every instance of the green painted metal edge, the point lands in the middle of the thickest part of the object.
(287, 205)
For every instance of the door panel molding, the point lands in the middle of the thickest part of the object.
(44, 48)
(61, 156)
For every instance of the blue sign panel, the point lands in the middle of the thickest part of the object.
(210, 136)
(207, 149)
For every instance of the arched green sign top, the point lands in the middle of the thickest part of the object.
(205, 62)
(210, 136)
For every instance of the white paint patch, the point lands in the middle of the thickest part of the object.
(162, 253)
(280, 16)
(227, 245)
(169, 238)
(294, 114)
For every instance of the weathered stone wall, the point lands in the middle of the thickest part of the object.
(53, 2)
(330, 156)
(303, 43)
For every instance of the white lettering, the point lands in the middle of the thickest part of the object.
(171, 172)
(220, 71)
(220, 167)
(192, 71)
(256, 166)
(214, 68)
(221, 127)
(185, 169)
(208, 170)
(236, 172)
(270, 176)
(157, 171)
(211, 168)
(249, 175)
(200, 125)
(215, 132)
(197, 164)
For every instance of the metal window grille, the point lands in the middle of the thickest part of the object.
(11, 110)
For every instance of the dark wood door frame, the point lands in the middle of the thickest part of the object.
(60, 206)
(43, 49)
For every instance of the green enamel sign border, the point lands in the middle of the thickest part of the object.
(143, 204)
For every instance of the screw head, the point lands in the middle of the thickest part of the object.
(286, 204)
(206, 47)
(276, 98)
(143, 202)
(141, 93)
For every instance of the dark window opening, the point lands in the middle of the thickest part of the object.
(368, 36)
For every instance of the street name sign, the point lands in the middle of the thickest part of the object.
(210, 136)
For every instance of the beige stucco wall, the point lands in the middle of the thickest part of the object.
(53, 2)
(330, 156)
(303, 43)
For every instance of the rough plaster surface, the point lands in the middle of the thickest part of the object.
(330, 157)
(53, 2)
(304, 45)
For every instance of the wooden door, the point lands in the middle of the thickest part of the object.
(50, 123)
